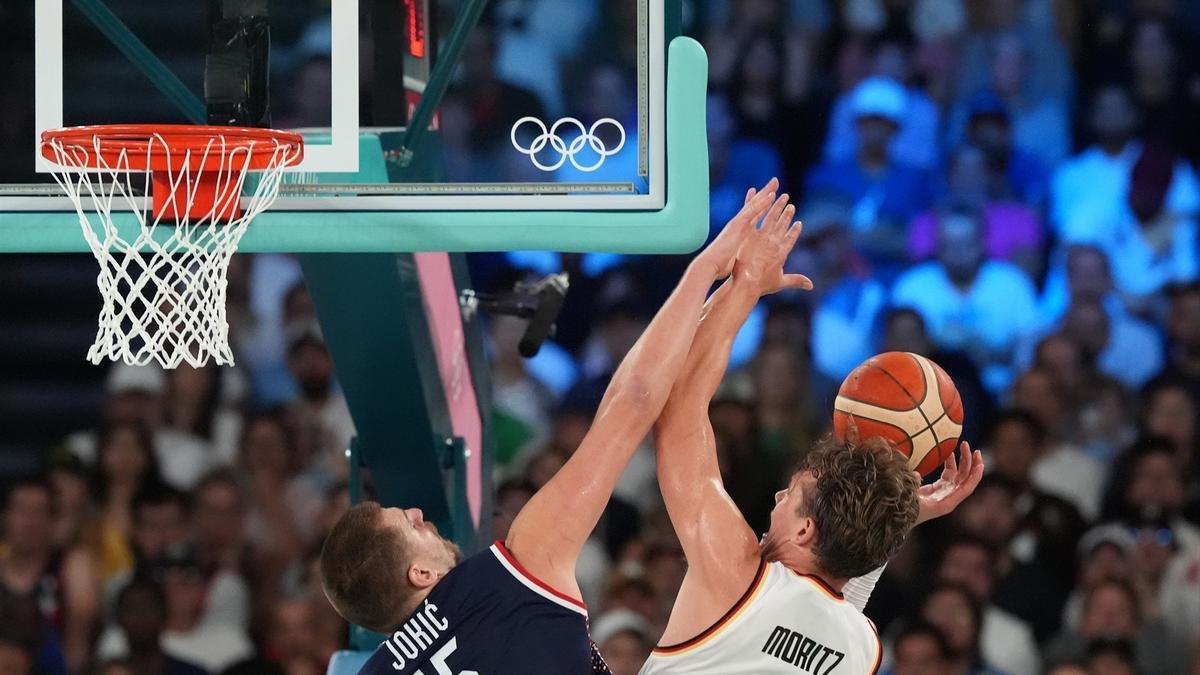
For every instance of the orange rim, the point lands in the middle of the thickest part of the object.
(166, 146)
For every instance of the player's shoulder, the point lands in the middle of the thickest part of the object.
(816, 591)
(494, 576)
(509, 567)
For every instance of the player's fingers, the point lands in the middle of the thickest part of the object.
(797, 281)
(769, 222)
(794, 231)
(977, 470)
(789, 236)
(758, 205)
(762, 197)
(752, 212)
(967, 460)
(950, 470)
(757, 199)
(970, 479)
(779, 229)
(778, 234)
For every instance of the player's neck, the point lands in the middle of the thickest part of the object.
(416, 600)
(835, 583)
(411, 608)
(802, 561)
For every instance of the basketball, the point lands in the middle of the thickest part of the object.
(905, 399)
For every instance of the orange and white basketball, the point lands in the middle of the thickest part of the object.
(906, 399)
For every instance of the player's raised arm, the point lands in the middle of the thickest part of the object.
(722, 551)
(548, 534)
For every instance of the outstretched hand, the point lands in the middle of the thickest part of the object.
(955, 485)
(723, 250)
(761, 257)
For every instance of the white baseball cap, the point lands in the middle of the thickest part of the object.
(879, 97)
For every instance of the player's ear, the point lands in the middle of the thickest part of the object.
(421, 575)
(806, 533)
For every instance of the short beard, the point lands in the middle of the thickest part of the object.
(456, 554)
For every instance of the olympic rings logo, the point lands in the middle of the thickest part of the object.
(587, 136)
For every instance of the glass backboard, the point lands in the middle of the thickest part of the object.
(562, 101)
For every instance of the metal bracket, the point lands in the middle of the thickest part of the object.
(145, 60)
(454, 452)
(439, 79)
(539, 301)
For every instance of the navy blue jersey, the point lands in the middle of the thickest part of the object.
(488, 616)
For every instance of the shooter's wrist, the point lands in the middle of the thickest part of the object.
(745, 290)
(704, 267)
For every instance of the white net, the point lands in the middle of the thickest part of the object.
(163, 277)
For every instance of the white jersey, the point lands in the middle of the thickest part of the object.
(786, 624)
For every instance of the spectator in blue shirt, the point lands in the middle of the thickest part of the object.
(968, 302)
(1150, 246)
(1091, 190)
(989, 126)
(885, 191)
(1129, 351)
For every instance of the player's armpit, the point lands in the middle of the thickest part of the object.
(698, 614)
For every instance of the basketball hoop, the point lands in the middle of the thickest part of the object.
(164, 289)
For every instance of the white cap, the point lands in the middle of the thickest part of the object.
(1111, 533)
(124, 378)
(879, 97)
(617, 621)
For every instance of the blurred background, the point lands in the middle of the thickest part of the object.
(1006, 186)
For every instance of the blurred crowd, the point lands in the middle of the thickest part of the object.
(1006, 186)
(182, 535)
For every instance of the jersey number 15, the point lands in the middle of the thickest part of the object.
(439, 658)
